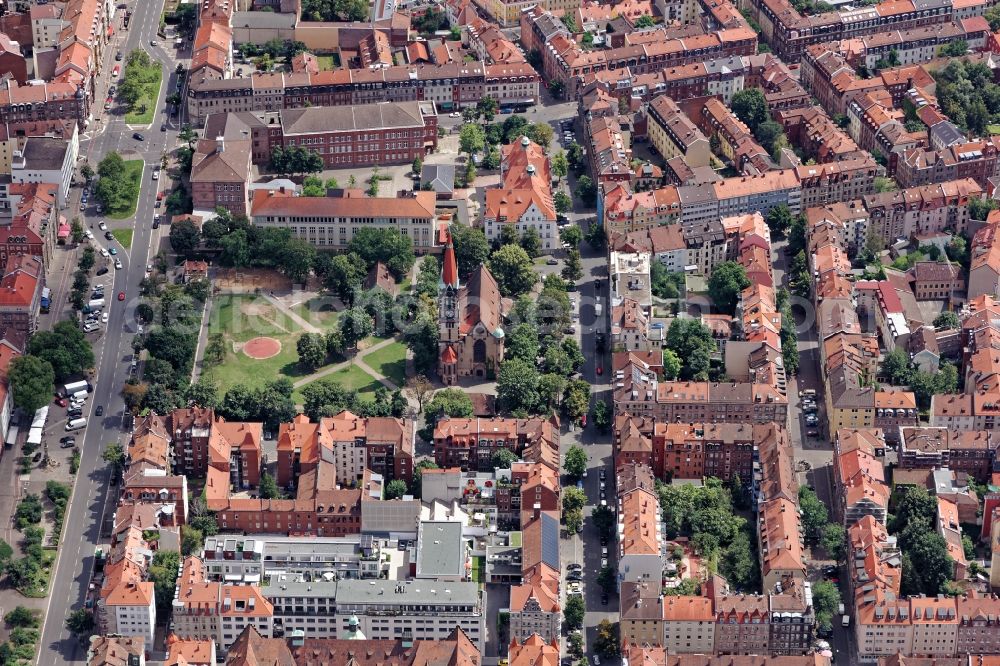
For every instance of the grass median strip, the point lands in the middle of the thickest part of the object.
(131, 178)
(123, 236)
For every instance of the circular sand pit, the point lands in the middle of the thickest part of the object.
(260, 348)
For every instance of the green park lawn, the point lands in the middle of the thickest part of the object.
(241, 317)
(351, 378)
(390, 361)
(318, 312)
(143, 110)
(133, 176)
(123, 236)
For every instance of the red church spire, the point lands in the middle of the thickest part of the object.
(449, 272)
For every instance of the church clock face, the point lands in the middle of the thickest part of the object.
(450, 312)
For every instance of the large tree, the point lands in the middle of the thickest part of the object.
(389, 246)
(513, 270)
(693, 344)
(65, 347)
(184, 237)
(31, 380)
(472, 250)
(575, 462)
(517, 385)
(728, 281)
(750, 106)
(897, 367)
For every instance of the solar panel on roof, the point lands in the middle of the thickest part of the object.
(550, 541)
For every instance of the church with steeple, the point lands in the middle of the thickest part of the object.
(470, 318)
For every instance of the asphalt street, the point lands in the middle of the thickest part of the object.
(112, 350)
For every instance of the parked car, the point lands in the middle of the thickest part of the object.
(102, 226)
(108, 235)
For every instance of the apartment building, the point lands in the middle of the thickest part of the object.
(470, 443)
(329, 223)
(675, 135)
(974, 159)
(344, 136)
(688, 625)
(251, 649)
(608, 148)
(689, 450)
(424, 609)
(129, 650)
(447, 85)
(251, 559)
(626, 211)
(984, 266)
(971, 451)
(30, 222)
(642, 618)
(833, 182)
(790, 33)
(200, 438)
(660, 53)
(859, 477)
(936, 281)
(641, 546)
(217, 611)
(352, 443)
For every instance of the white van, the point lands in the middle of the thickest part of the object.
(76, 424)
(80, 395)
(845, 621)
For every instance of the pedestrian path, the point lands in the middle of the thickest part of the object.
(291, 314)
(358, 360)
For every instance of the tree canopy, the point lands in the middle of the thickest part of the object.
(692, 343)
